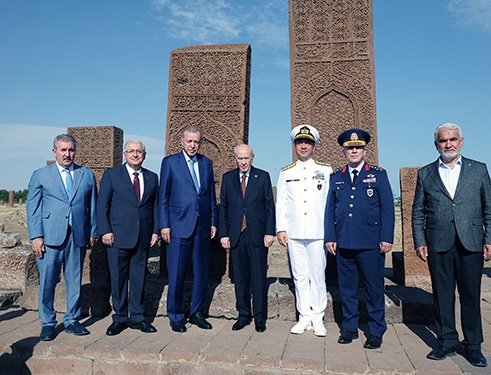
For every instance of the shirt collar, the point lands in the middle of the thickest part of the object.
(186, 156)
(131, 170)
(359, 168)
(61, 169)
(442, 165)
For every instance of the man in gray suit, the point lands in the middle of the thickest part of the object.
(451, 228)
(62, 223)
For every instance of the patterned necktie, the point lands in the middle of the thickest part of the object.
(355, 175)
(243, 186)
(136, 185)
(193, 173)
(68, 183)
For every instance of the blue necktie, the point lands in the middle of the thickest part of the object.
(68, 182)
(193, 173)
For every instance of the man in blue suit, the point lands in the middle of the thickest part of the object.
(128, 223)
(62, 223)
(188, 220)
(359, 231)
(247, 229)
(451, 230)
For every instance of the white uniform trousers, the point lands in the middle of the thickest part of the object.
(308, 263)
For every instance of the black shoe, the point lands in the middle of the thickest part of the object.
(143, 326)
(373, 342)
(441, 352)
(347, 337)
(77, 329)
(115, 328)
(178, 326)
(260, 326)
(198, 319)
(241, 323)
(475, 358)
(47, 333)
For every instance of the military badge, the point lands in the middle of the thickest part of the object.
(319, 177)
(370, 193)
(370, 178)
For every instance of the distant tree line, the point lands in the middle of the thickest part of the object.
(18, 195)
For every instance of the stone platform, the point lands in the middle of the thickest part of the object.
(221, 351)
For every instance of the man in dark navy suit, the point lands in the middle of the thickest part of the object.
(127, 213)
(188, 220)
(247, 228)
(359, 231)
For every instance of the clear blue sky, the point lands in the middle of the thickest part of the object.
(86, 63)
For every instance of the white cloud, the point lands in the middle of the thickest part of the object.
(475, 14)
(225, 21)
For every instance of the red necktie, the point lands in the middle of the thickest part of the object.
(136, 185)
(243, 186)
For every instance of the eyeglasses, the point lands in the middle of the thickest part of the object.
(139, 152)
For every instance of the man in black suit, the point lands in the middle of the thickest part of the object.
(451, 230)
(127, 213)
(247, 228)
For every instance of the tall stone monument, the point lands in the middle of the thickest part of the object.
(209, 87)
(332, 71)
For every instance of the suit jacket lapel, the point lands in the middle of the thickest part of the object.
(251, 183)
(58, 180)
(185, 169)
(464, 171)
(202, 172)
(435, 175)
(346, 175)
(127, 181)
(78, 174)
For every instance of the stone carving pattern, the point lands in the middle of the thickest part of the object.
(209, 88)
(98, 147)
(332, 72)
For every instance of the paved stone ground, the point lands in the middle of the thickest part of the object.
(222, 351)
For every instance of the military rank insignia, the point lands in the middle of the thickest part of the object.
(319, 177)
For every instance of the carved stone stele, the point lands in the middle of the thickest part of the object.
(209, 87)
(98, 147)
(416, 272)
(332, 72)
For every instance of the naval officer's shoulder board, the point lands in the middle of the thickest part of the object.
(286, 167)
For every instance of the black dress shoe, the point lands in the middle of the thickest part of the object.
(373, 342)
(143, 326)
(441, 352)
(200, 321)
(47, 333)
(241, 323)
(77, 329)
(475, 358)
(347, 337)
(178, 326)
(115, 328)
(260, 326)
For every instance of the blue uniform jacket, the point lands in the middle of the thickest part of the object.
(359, 216)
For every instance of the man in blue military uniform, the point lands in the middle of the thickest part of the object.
(359, 231)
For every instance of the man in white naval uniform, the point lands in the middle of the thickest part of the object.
(301, 193)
